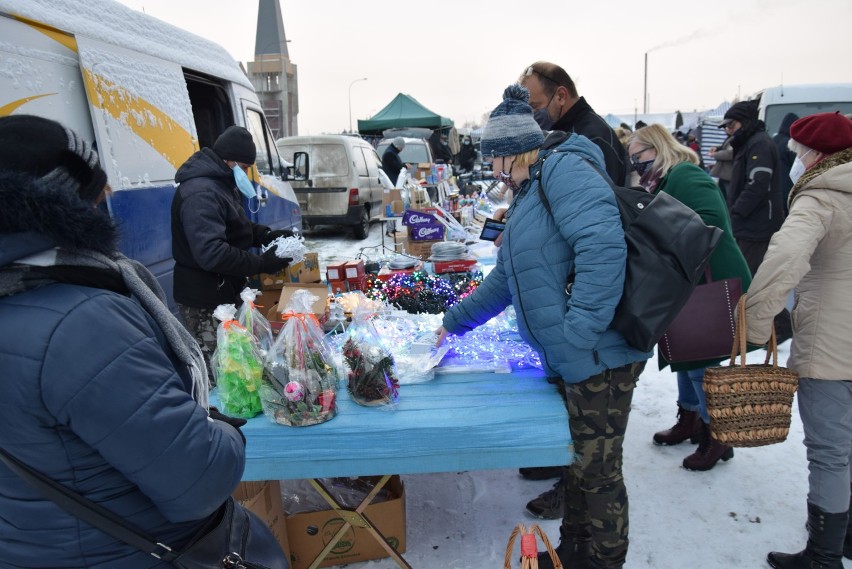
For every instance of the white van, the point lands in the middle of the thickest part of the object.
(346, 181)
(802, 100)
(149, 95)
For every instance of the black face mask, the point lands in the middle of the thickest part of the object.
(642, 166)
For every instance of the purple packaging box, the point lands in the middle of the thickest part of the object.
(413, 218)
(429, 232)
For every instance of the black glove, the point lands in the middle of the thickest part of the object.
(233, 421)
(272, 263)
(275, 234)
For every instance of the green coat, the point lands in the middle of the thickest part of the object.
(693, 187)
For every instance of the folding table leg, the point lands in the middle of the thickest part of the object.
(356, 518)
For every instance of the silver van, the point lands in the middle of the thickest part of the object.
(346, 181)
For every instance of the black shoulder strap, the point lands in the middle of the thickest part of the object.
(88, 511)
(544, 201)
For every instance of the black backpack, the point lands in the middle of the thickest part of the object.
(668, 246)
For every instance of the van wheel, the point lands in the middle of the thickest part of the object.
(362, 228)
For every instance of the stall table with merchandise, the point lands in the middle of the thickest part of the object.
(455, 422)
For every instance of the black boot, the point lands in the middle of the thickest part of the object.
(824, 550)
(847, 543)
(573, 552)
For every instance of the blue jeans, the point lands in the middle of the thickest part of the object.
(690, 392)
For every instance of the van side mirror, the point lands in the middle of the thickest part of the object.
(301, 167)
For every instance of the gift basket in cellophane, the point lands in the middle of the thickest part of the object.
(237, 365)
(300, 376)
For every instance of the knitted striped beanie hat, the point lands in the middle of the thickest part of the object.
(511, 129)
(46, 150)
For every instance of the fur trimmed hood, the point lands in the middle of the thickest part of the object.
(37, 216)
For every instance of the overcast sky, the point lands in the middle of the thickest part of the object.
(456, 57)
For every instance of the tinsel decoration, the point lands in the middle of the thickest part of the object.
(419, 293)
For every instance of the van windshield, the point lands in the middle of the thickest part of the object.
(413, 153)
(326, 159)
(775, 113)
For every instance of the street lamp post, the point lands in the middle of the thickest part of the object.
(350, 100)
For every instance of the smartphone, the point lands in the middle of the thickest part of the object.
(492, 229)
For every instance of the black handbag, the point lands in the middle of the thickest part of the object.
(234, 538)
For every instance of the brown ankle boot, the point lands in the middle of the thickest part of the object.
(708, 453)
(688, 426)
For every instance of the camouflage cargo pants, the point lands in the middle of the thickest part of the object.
(202, 326)
(595, 505)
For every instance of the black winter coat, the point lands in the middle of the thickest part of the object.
(391, 163)
(754, 194)
(785, 155)
(211, 234)
(583, 120)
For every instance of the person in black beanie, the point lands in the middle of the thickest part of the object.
(104, 391)
(212, 235)
(755, 193)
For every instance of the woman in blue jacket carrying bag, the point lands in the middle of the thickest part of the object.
(572, 333)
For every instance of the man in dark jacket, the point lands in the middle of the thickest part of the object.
(785, 155)
(755, 193)
(391, 162)
(557, 106)
(212, 235)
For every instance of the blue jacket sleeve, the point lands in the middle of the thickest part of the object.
(584, 209)
(124, 398)
(487, 301)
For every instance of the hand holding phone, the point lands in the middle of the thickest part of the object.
(492, 229)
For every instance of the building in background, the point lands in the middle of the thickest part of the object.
(272, 73)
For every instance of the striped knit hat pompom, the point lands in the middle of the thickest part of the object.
(511, 129)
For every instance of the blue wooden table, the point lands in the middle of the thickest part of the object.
(453, 423)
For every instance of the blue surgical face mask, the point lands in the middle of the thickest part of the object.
(243, 183)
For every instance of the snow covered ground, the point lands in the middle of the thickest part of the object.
(729, 517)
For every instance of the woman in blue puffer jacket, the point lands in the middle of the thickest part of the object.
(583, 237)
(103, 390)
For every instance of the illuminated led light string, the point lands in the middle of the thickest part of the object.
(492, 346)
(418, 292)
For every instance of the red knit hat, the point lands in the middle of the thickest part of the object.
(824, 132)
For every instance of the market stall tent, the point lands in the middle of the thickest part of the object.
(403, 111)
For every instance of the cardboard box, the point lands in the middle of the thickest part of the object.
(456, 266)
(335, 272)
(397, 207)
(421, 249)
(353, 269)
(358, 283)
(413, 218)
(386, 273)
(429, 232)
(269, 281)
(320, 305)
(264, 499)
(306, 271)
(338, 286)
(308, 533)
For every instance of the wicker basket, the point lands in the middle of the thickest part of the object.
(529, 548)
(750, 405)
